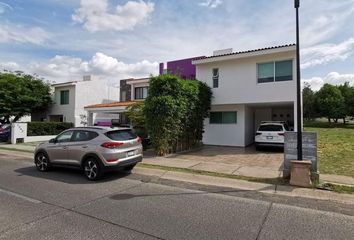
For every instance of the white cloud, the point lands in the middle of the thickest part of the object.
(10, 66)
(4, 7)
(95, 16)
(211, 3)
(324, 20)
(66, 68)
(333, 78)
(22, 34)
(326, 53)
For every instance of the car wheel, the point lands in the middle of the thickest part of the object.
(129, 167)
(92, 169)
(42, 162)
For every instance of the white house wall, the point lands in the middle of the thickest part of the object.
(226, 134)
(92, 92)
(238, 81)
(67, 110)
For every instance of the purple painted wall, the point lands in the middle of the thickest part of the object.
(183, 68)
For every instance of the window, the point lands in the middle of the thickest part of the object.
(270, 128)
(275, 71)
(215, 77)
(223, 117)
(141, 92)
(65, 137)
(121, 135)
(64, 97)
(283, 71)
(81, 136)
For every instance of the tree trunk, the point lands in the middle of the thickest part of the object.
(329, 119)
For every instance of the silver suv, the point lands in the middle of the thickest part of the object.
(93, 149)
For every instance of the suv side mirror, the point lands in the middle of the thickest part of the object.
(53, 140)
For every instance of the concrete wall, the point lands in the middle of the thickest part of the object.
(226, 134)
(262, 114)
(39, 138)
(238, 80)
(249, 125)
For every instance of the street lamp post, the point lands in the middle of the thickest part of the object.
(298, 83)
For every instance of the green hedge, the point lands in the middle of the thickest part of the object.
(47, 128)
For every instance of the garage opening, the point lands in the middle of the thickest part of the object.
(258, 113)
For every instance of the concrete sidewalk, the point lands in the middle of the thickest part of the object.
(23, 147)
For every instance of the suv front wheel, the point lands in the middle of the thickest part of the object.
(92, 169)
(42, 162)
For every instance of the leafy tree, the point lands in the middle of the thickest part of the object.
(21, 94)
(175, 110)
(330, 102)
(135, 113)
(308, 98)
(348, 93)
(164, 110)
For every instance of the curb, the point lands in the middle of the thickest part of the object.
(277, 190)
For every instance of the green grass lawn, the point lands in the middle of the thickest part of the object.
(335, 148)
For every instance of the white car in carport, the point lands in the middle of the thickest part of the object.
(271, 134)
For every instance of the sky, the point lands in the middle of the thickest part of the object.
(61, 40)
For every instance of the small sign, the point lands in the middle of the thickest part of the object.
(309, 150)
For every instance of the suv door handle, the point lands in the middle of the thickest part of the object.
(85, 146)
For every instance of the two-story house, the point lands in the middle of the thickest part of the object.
(70, 98)
(131, 91)
(248, 87)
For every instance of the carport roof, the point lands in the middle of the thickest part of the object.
(112, 104)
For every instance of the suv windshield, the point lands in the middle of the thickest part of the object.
(121, 135)
(270, 128)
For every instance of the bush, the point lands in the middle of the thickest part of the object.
(47, 128)
(174, 111)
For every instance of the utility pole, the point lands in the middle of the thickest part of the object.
(298, 83)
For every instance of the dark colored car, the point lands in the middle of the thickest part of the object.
(5, 132)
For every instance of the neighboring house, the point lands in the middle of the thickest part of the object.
(182, 68)
(70, 98)
(248, 88)
(131, 91)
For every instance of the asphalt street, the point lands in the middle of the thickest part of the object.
(62, 204)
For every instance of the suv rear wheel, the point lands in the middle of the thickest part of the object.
(92, 169)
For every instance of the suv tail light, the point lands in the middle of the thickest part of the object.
(111, 145)
(139, 140)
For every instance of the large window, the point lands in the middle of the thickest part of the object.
(215, 78)
(223, 117)
(141, 92)
(275, 71)
(64, 97)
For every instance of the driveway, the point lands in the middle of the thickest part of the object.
(231, 160)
